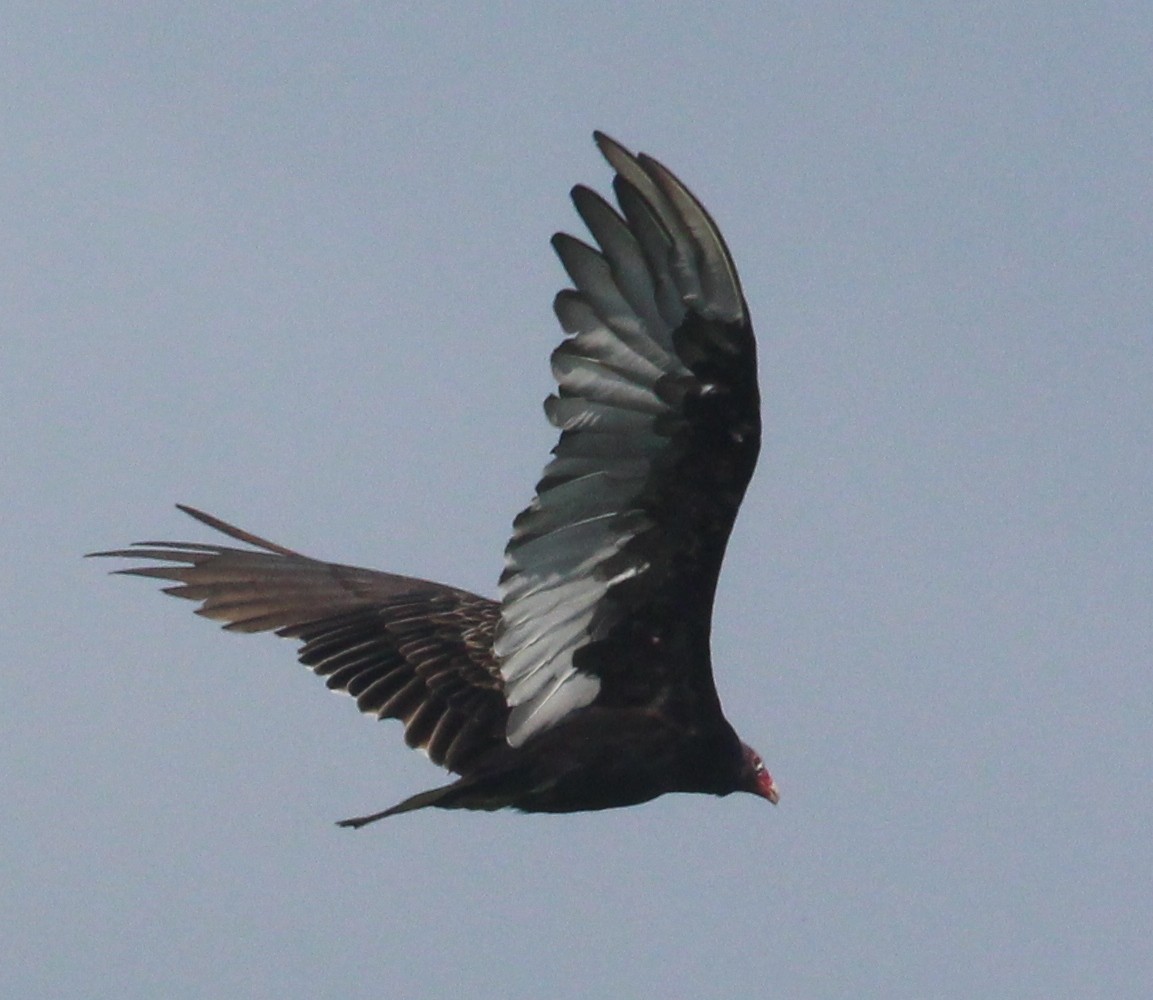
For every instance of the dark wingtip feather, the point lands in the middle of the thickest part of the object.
(137, 551)
(234, 532)
(608, 146)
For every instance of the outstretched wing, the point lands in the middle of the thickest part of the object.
(610, 573)
(404, 648)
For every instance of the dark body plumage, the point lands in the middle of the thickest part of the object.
(589, 684)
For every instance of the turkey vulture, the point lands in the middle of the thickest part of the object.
(588, 684)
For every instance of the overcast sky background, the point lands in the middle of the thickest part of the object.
(290, 264)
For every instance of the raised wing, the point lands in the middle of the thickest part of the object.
(404, 648)
(610, 573)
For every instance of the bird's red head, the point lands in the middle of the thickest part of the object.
(757, 779)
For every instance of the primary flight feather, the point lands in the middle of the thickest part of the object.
(588, 685)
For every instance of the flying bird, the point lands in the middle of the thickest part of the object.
(588, 684)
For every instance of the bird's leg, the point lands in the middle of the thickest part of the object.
(358, 821)
(433, 797)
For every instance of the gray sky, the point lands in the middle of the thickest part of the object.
(291, 265)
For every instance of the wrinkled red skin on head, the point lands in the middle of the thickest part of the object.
(758, 781)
